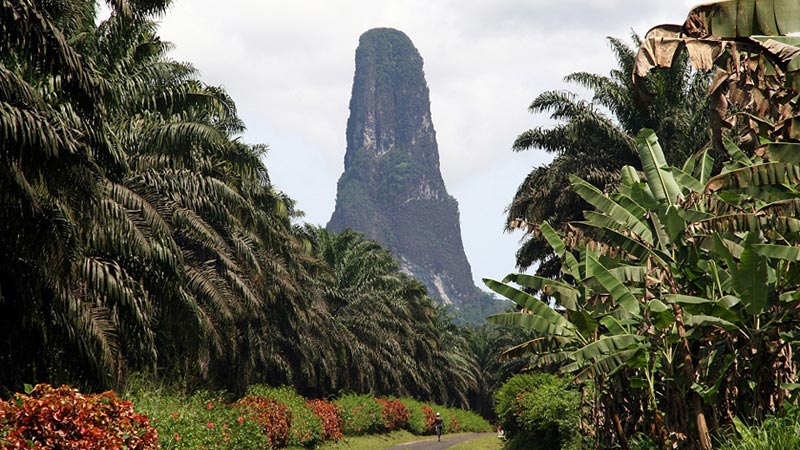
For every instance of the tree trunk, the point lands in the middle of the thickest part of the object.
(688, 368)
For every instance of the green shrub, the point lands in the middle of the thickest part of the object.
(203, 420)
(305, 427)
(420, 416)
(361, 414)
(459, 420)
(539, 410)
(776, 433)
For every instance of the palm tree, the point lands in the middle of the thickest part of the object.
(392, 340)
(487, 343)
(133, 221)
(54, 156)
(595, 139)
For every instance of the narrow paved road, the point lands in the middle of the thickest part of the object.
(432, 444)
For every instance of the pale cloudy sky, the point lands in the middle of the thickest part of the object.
(289, 67)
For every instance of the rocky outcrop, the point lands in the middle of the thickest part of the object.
(392, 189)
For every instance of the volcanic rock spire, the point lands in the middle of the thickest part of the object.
(392, 189)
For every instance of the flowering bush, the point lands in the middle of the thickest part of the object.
(305, 427)
(395, 414)
(453, 425)
(420, 416)
(64, 418)
(458, 420)
(430, 418)
(331, 418)
(274, 418)
(361, 414)
(203, 420)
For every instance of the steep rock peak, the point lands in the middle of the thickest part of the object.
(390, 101)
(392, 188)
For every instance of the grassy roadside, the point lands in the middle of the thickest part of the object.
(490, 442)
(372, 442)
(384, 441)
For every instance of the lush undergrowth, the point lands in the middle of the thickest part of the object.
(265, 417)
(775, 433)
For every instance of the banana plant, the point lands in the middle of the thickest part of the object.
(679, 287)
(754, 49)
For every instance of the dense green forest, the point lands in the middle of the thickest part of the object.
(674, 267)
(141, 234)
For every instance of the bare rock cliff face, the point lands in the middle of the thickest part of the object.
(392, 189)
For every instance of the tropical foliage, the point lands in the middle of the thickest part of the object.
(65, 418)
(139, 233)
(775, 433)
(678, 298)
(47, 417)
(487, 344)
(539, 411)
(594, 139)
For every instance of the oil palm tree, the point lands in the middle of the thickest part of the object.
(594, 139)
(391, 338)
(133, 221)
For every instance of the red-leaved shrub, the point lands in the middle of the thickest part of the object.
(64, 418)
(274, 418)
(430, 417)
(454, 426)
(395, 413)
(331, 418)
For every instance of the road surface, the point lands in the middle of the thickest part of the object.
(431, 444)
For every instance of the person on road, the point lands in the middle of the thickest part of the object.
(438, 425)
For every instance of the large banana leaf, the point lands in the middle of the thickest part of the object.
(629, 176)
(687, 181)
(699, 165)
(628, 244)
(788, 152)
(529, 302)
(554, 240)
(661, 315)
(606, 345)
(783, 252)
(584, 322)
(630, 274)
(566, 295)
(744, 18)
(540, 346)
(606, 365)
(699, 320)
(599, 220)
(687, 299)
(613, 325)
(750, 281)
(619, 292)
(532, 322)
(611, 208)
(736, 153)
(662, 183)
(769, 174)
